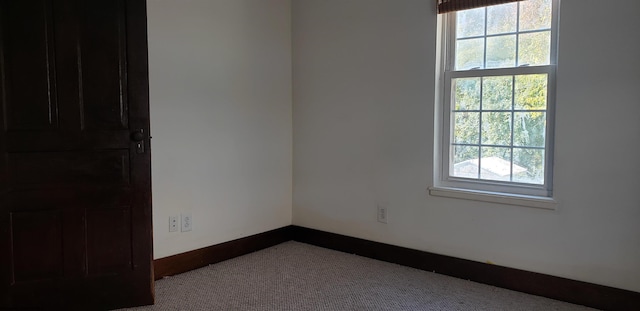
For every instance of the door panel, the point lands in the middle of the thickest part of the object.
(104, 91)
(41, 230)
(75, 193)
(58, 168)
(109, 254)
(30, 99)
(98, 167)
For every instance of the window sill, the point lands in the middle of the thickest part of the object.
(495, 197)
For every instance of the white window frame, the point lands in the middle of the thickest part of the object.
(487, 190)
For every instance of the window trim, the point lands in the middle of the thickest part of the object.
(495, 197)
(485, 190)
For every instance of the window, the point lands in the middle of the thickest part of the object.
(498, 81)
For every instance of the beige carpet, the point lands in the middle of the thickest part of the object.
(297, 276)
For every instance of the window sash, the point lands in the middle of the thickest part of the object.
(445, 6)
(449, 180)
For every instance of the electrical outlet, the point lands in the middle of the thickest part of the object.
(382, 214)
(173, 223)
(187, 223)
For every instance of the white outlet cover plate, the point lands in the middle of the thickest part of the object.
(173, 223)
(186, 223)
(382, 214)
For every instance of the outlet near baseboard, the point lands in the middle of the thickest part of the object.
(187, 222)
(382, 213)
(173, 223)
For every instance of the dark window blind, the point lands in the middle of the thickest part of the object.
(445, 6)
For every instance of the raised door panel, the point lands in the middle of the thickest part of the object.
(103, 65)
(109, 253)
(63, 168)
(27, 65)
(36, 232)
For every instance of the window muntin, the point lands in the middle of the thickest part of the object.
(499, 82)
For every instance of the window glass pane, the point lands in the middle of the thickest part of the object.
(470, 23)
(529, 129)
(467, 94)
(495, 163)
(533, 161)
(497, 93)
(501, 51)
(534, 48)
(466, 127)
(469, 54)
(502, 18)
(465, 162)
(531, 92)
(496, 128)
(535, 14)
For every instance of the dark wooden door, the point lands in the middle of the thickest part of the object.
(75, 192)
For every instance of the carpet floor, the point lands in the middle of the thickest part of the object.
(298, 276)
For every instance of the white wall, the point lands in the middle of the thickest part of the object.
(220, 97)
(364, 76)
